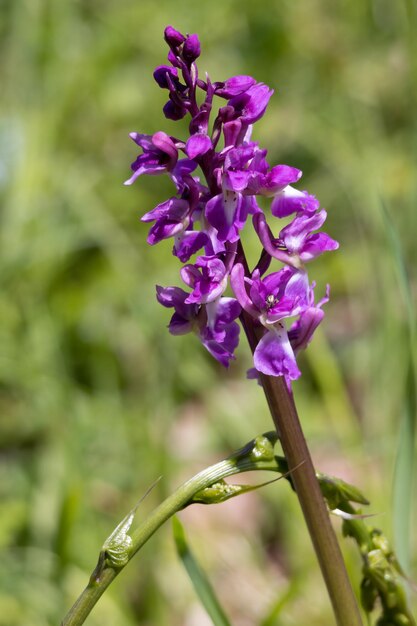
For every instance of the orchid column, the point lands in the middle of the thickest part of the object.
(218, 172)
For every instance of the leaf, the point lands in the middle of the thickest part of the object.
(199, 580)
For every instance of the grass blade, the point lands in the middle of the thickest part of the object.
(405, 460)
(200, 582)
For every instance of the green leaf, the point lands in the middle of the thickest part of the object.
(200, 582)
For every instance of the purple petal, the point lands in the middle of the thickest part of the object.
(197, 144)
(231, 132)
(170, 296)
(274, 356)
(315, 245)
(221, 212)
(235, 86)
(252, 103)
(237, 281)
(290, 200)
(301, 332)
(228, 309)
(188, 243)
(174, 207)
(181, 171)
(160, 75)
(163, 142)
(173, 111)
(236, 180)
(207, 277)
(179, 325)
(296, 232)
(174, 297)
(280, 176)
(222, 350)
(145, 164)
(163, 229)
(144, 141)
(267, 239)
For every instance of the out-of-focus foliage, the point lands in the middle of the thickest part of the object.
(96, 399)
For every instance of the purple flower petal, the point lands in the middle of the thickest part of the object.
(267, 239)
(251, 104)
(279, 177)
(197, 144)
(174, 207)
(174, 111)
(207, 277)
(237, 281)
(274, 355)
(219, 351)
(235, 86)
(290, 200)
(315, 245)
(301, 332)
(228, 212)
(188, 243)
(164, 143)
(295, 234)
(159, 155)
(181, 172)
(178, 325)
(236, 180)
(160, 75)
(228, 309)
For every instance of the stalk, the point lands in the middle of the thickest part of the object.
(120, 547)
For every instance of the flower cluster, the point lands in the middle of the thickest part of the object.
(218, 173)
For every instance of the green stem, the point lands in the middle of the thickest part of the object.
(117, 552)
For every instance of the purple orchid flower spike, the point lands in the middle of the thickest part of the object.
(206, 216)
(209, 210)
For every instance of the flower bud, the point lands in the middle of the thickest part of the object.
(161, 74)
(191, 49)
(173, 37)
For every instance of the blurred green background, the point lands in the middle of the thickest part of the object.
(96, 398)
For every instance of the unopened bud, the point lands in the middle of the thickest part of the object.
(173, 37)
(191, 49)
